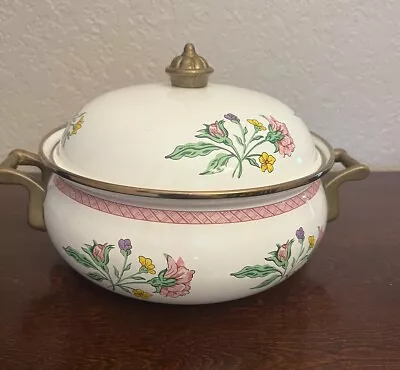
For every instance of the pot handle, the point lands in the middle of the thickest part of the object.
(354, 170)
(9, 174)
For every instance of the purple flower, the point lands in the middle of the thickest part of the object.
(231, 117)
(124, 244)
(300, 234)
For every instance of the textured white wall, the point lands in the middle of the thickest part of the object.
(337, 63)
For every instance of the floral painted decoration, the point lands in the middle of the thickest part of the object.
(173, 281)
(73, 127)
(218, 138)
(281, 262)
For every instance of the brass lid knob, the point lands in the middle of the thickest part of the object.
(189, 69)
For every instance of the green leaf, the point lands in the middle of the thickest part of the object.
(107, 254)
(258, 137)
(161, 281)
(245, 131)
(275, 253)
(239, 140)
(116, 273)
(270, 128)
(89, 247)
(128, 267)
(96, 276)
(133, 277)
(88, 251)
(217, 164)
(271, 279)
(224, 139)
(290, 249)
(155, 282)
(124, 289)
(253, 162)
(277, 261)
(221, 124)
(168, 282)
(255, 271)
(162, 273)
(192, 150)
(137, 278)
(275, 136)
(204, 134)
(79, 257)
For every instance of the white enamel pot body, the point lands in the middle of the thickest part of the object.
(180, 251)
(184, 251)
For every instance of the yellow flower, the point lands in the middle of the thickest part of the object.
(267, 161)
(311, 241)
(256, 124)
(76, 126)
(139, 293)
(147, 265)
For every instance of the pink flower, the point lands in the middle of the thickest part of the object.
(286, 145)
(277, 125)
(215, 130)
(182, 275)
(321, 232)
(98, 251)
(283, 252)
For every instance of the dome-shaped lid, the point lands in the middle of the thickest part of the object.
(187, 135)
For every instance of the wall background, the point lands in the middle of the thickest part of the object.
(337, 63)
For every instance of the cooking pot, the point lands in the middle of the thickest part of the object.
(184, 192)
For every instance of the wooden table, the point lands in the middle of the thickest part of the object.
(341, 311)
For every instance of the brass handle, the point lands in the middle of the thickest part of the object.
(9, 174)
(354, 170)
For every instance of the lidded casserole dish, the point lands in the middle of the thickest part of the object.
(184, 192)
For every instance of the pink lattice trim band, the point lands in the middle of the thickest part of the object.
(187, 217)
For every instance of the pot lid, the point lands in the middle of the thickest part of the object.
(188, 135)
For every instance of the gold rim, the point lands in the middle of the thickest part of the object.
(326, 166)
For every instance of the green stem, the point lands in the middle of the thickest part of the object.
(125, 285)
(239, 165)
(221, 147)
(303, 257)
(244, 139)
(94, 264)
(123, 269)
(301, 249)
(254, 146)
(98, 269)
(236, 154)
(111, 281)
(285, 271)
(251, 139)
(130, 276)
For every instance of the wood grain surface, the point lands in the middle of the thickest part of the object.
(341, 311)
